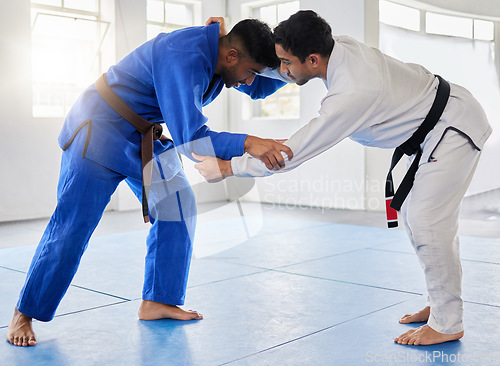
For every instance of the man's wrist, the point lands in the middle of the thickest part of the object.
(225, 168)
(247, 143)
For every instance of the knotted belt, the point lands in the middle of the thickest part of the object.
(394, 201)
(150, 131)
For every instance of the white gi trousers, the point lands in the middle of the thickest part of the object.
(431, 213)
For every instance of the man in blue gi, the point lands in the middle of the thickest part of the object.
(167, 80)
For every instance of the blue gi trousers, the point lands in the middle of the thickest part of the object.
(84, 190)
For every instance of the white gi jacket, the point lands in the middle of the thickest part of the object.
(378, 101)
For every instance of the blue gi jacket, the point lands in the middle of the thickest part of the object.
(168, 79)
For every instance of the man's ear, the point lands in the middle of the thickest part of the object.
(313, 59)
(232, 56)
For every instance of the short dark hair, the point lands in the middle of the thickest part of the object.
(305, 33)
(257, 39)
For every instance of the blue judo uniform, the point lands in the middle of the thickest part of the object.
(166, 80)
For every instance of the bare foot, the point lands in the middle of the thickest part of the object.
(418, 317)
(152, 310)
(425, 335)
(20, 331)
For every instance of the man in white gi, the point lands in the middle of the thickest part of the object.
(379, 101)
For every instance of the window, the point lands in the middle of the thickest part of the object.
(66, 40)
(448, 25)
(167, 16)
(285, 103)
(399, 15)
(275, 13)
(460, 27)
(443, 24)
(484, 30)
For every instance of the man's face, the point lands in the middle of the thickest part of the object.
(297, 71)
(242, 72)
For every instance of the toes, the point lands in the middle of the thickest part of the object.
(413, 337)
(411, 341)
(195, 314)
(401, 339)
(406, 319)
(28, 341)
(22, 341)
(404, 338)
(190, 315)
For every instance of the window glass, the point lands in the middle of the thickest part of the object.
(484, 30)
(155, 11)
(399, 15)
(87, 5)
(285, 103)
(287, 9)
(65, 55)
(167, 16)
(178, 14)
(448, 25)
(268, 14)
(47, 2)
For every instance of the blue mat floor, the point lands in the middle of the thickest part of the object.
(295, 293)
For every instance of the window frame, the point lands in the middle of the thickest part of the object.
(164, 26)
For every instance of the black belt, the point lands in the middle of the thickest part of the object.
(150, 132)
(394, 201)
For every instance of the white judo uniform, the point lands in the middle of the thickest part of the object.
(379, 101)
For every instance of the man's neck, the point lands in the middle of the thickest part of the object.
(323, 71)
(220, 56)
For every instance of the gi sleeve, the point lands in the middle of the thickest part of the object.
(181, 77)
(276, 74)
(339, 117)
(261, 87)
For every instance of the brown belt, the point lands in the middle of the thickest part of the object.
(150, 131)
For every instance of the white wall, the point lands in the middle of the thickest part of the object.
(29, 155)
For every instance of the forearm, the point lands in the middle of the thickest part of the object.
(223, 145)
